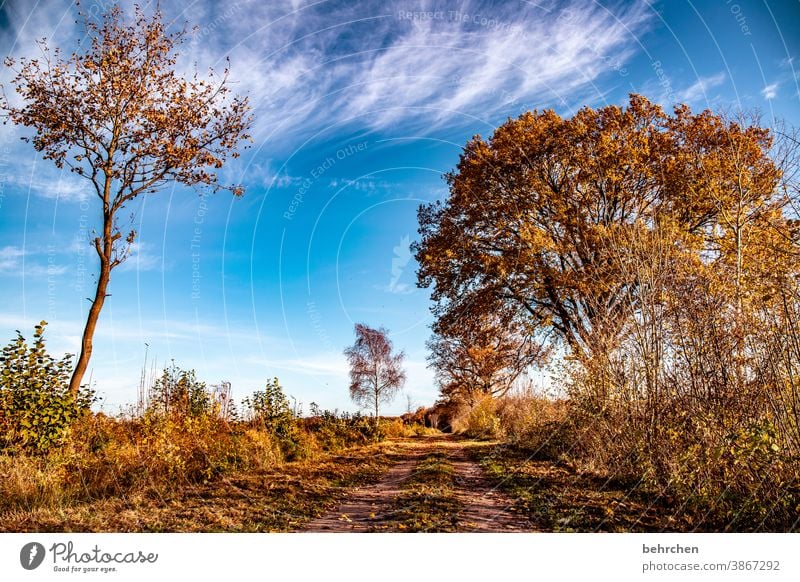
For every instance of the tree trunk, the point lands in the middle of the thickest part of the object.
(376, 413)
(91, 323)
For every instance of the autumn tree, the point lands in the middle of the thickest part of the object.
(376, 372)
(484, 356)
(659, 254)
(119, 113)
(531, 213)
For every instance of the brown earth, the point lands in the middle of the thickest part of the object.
(476, 504)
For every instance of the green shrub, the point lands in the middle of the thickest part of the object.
(269, 409)
(36, 407)
(178, 392)
(334, 431)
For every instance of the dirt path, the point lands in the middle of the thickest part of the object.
(366, 508)
(486, 508)
(482, 508)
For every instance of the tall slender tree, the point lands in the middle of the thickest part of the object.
(376, 372)
(118, 113)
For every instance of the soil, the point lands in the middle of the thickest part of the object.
(481, 506)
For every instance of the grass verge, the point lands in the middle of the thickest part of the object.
(558, 499)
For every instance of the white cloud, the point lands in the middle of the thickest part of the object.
(10, 258)
(699, 89)
(40, 178)
(142, 259)
(324, 364)
(314, 70)
(13, 263)
(138, 330)
(262, 173)
(770, 91)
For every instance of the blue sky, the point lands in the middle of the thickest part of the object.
(360, 108)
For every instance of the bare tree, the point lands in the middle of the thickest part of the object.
(376, 373)
(118, 114)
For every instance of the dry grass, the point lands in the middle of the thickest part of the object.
(557, 498)
(182, 473)
(696, 475)
(278, 499)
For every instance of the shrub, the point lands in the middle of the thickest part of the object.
(394, 428)
(480, 420)
(36, 407)
(175, 443)
(261, 449)
(421, 430)
(269, 410)
(537, 424)
(333, 430)
(178, 392)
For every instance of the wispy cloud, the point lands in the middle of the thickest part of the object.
(318, 364)
(313, 69)
(770, 91)
(12, 263)
(141, 258)
(40, 178)
(263, 173)
(140, 330)
(367, 185)
(700, 89)
(10, 259)
(63, 189)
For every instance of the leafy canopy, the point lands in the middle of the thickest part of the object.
(531, 225)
